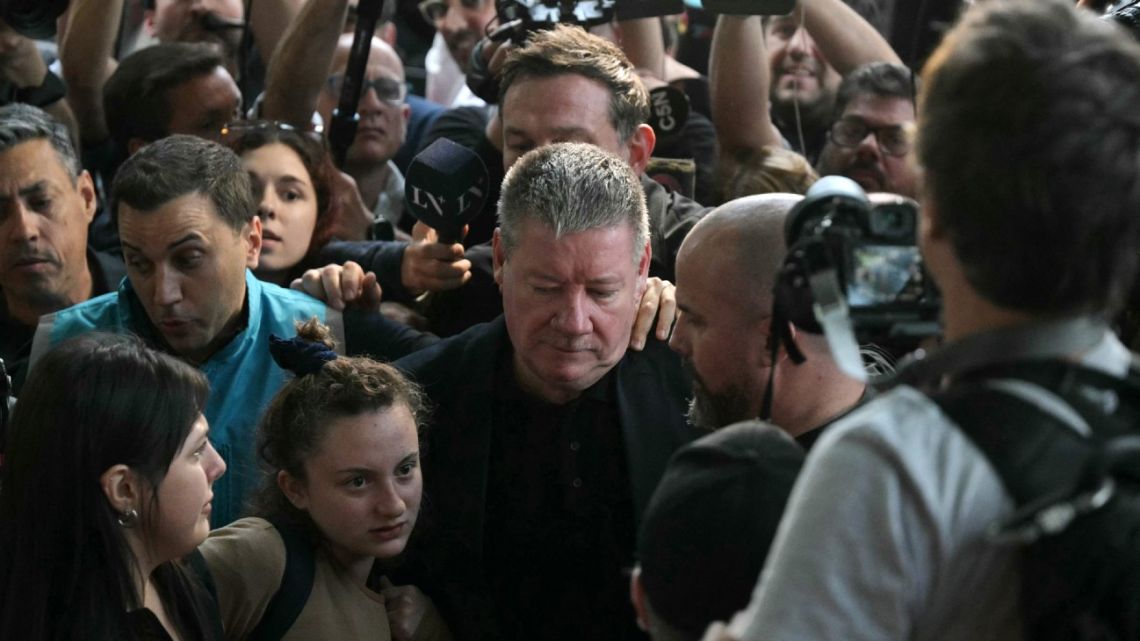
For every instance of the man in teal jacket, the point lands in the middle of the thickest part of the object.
(189, 230)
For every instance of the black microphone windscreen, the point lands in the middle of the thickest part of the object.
(445, 187)
(668, 111)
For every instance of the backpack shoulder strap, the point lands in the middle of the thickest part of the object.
(195, 564)
(296, 585)
(1035, 453)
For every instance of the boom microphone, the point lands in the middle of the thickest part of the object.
(445, 187)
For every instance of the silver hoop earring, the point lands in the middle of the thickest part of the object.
(129, 518)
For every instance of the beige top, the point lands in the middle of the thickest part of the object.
(247, 560)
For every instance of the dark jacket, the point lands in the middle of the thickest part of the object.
(458, 375)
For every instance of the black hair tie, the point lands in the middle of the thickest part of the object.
(298, 355)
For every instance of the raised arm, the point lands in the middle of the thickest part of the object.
(269, 20)
(86, 56)
(739, 78)
(642, 43)
(844, 37)
(298, 67)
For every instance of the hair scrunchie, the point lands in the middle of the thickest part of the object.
(298, 355)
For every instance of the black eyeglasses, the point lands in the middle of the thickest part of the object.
(434, 10)
(389, 90)
(894, 140)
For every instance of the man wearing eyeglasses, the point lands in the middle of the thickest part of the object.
(870, 140)
(459, 25)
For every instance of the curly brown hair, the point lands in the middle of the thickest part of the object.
(296, 422)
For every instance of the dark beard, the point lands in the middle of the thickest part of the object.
(709, 411)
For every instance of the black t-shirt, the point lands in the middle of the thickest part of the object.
(559, 518)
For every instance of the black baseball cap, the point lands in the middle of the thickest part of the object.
(707, 529)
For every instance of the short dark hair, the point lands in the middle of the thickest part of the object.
(134, 98)
(180, 165)
(881, 79)
(571, 50)
(1029, 134)
(125, 404)
(20, 123)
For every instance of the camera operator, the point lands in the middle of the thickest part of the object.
(1029, 228)
(726, 272)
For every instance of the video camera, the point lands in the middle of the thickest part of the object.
(854, 271)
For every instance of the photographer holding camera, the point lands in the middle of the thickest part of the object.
(907, 522)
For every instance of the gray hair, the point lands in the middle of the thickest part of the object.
(20, 123)
(571, 188)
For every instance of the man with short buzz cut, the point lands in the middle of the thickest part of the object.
(46, 203)
(549, 435)
(726, 272)
(900, 521)
(190, 234)
(870, 138)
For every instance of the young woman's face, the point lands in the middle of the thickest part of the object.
(364, 483)
(288, 205)
(184, 496)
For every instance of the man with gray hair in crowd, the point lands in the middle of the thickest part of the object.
(549, 434)
(46, 204)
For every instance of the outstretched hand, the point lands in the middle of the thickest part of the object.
(340, 286)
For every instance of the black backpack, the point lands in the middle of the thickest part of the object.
(1078, 497)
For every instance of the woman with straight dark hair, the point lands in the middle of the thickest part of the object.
(106, 482)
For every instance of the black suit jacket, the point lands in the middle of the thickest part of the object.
(458, 375)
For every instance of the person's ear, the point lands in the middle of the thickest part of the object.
(637, 596)
(641, 145)
(293, 489)
(643, 268)
(123, 490)
(148, 22)
(86, 188)
(499, 256)
(251, 235)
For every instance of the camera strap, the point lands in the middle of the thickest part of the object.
(832, 314)
(1052, 339)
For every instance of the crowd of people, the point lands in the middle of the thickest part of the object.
(253, 397)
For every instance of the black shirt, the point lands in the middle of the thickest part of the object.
(559, 515)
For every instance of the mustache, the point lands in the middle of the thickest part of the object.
(29, 255)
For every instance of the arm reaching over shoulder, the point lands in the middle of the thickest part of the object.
(659, 302)
(340, 286)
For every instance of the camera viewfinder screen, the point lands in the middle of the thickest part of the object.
(880, 273)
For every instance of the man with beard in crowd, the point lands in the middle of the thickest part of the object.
(726, 272)
(870, 140)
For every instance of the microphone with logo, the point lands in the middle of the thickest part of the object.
(445, 187)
